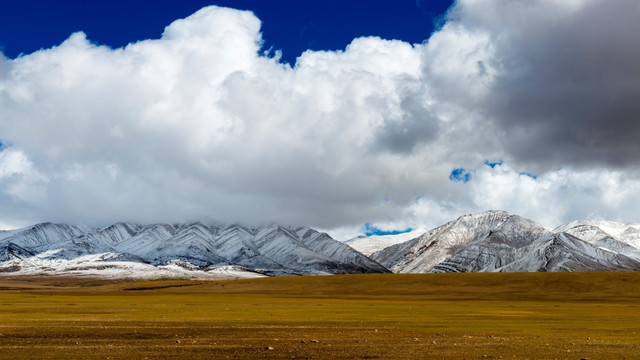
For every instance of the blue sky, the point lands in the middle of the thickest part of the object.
(169, 111)
(290, 26)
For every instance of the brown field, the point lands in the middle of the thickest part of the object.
(439, 316)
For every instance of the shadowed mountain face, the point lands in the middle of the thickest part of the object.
(271, 250)
(499, 241)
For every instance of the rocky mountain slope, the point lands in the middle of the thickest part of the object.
(199, 248)
(499, 241)
(484, 242)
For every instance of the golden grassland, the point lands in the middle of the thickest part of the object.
(430, 316)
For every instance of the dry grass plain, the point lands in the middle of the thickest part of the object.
(431, 316)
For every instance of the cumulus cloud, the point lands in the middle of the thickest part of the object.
(201, 125)
(554, 198)
(559, 195)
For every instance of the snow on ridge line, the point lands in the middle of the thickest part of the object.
(488, 241)
(628, 233)
(495, 240)
(370, 244)
(273, 249)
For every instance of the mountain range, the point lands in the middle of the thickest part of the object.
(484, 242)
(193, 250)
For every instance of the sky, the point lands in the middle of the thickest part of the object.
(351, 117)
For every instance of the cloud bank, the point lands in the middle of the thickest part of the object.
(201, 124)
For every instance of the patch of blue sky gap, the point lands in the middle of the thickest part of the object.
(464, 175)
(371, 230)
(460, 175)
(534, 177)
(493, 164)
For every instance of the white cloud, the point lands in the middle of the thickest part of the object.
(558, 196)
(199, 125)
(19, 180)
(554, 198)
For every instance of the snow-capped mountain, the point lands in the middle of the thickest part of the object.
(617, 237)
(499, 241)
(374, 243)
(127, 248)
(492, 241)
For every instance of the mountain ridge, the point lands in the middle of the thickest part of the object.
(268, 250)
(490, 241)
(499, 241)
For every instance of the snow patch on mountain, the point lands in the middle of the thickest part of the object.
(112, 266)
(374, 243)
(565, 252)
(203, 249)
(490, 241)
(499, 241)
(595, 230)
(433, 247)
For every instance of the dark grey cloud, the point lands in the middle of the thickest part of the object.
(415, 124)
(566, 90)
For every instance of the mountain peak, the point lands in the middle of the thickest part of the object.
(498, 241)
